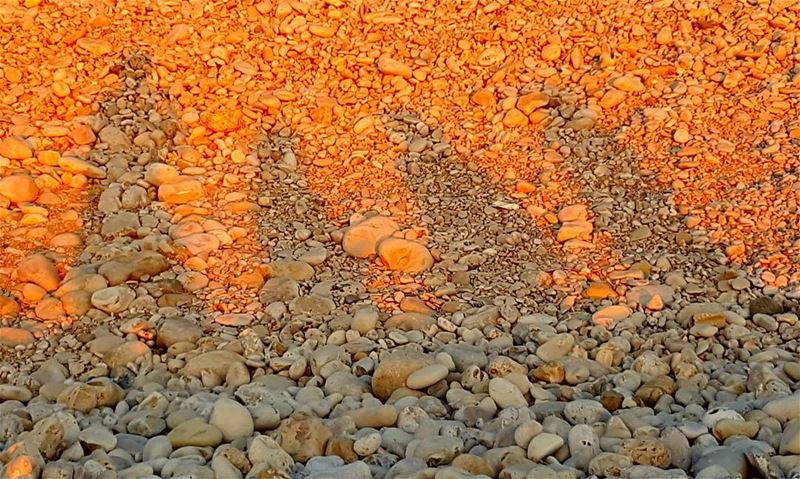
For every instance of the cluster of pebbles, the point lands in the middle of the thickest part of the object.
(649, 373)
(417, 240)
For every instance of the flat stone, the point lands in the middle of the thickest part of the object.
(234, 319)
(375, 417)
(66, 240)
(178, 330)
(11, 337)
(50, 309)
(465, 355)
(218, 362)
(687, 314)
(313, 305)
(199, 244)
(113, 300)
(551, 372)
(279, 289)
(364, 320)
(543, 445)
(585, 411)
(355, 470)
(644, 295)
(97, 437)
(79, 396)
(649, 392)
(729, 427)
(790, 438)
(640, 233)
(114, 137)
(264, 451)
(609, 464)
(78, 166)
(410, 322)
(346, 384)
(584, 445)
(427, 376)
(182, 192)
(725, 458)
(95, 46)
(14, 393)
(531, 101)
(575, 230)
(195, 432)
(390, 66)
(765, 305)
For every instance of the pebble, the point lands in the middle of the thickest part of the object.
(393, 372)
(14, 393)
(217, 362)
(790, 438)
(585, 411)
(544, 445)
(376, 416)
(181, 192)
(506, 394)
(390, 66)
(404, 255)
(609, 316)
(15, 336)
(114, 299)
(556, 347)
(599, 290)
(40, 270)
(648, 452)
(95, 46)
(783, 409)
(232, 419)
(81, 167)
(15, 148)
(361, 240)
(364, 320)
(584, 445)
(195, 432)
(18, 188)
(303, 437)
(427, 376)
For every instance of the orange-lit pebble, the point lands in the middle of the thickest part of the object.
(61, 89)
(48, 157)
(551, 52)
(12, 74)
